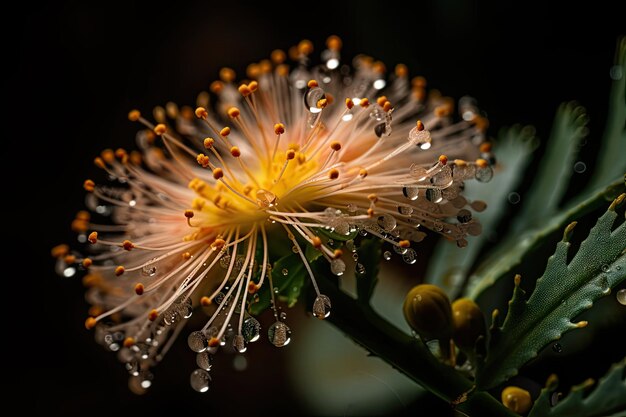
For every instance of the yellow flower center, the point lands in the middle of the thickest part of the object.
(277, 181)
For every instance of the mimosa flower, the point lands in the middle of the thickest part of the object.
(294, 154)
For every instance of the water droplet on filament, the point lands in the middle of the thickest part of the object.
(321, 307)
(197, 341)
(265, 198)
(200, 380)
(279, 334)
(239, 343)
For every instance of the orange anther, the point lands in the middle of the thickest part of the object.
(160, 129)
(233, 112)
(139, 289)
(201, 113)
(134, 115)
(89, 185)
(279, 128)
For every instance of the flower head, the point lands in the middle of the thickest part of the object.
(294, 154)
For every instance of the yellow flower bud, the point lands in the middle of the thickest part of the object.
(468, 323)
(517, 399)
(427, 310)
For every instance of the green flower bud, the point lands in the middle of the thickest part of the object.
(427, 310)
(468, 323)
(517, 399)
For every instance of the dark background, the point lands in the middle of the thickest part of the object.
(75, 69)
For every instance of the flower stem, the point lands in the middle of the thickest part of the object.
(407, 354)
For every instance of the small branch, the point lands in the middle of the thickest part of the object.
(406, 353)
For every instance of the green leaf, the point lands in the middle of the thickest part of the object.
(608, 397)
(263, 302)
(311, 253)
(288, 285)
(563, 291)
(507, 256)
(611, 163)
(449, 265)
(369, 256)
(610, 167)
(555, 171)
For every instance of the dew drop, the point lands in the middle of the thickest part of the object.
(355, 256)
(225, 261)
(387, 222)
(251, 329)
(350, 245)
(434, 195)
(285, 271)
(265, 198)
(410, 257)
(200, 380)
(451, 194)
(279, 334)
(337, 267)
(443, 178)
(437, 225)
(143, 349)
(399, 250)
(149, 269)
(352, 208)
(484, 174)
(204, 360)
(145, 379)
(360, 268)
(283, 316)
(69, 272)
(321, 306)
(474, 229)
(555, 398)
(379, 84)
(381, 129)
(239, 343)
(411, 192)
(580, 167)
(621, 297)
(605, 268)
(418, 172)
(132, 367)
(514, 198)
(557, 348)
(464, 216)
(387, 255)
(420, 138)
(311, 97)
(464, 171)
(342, 227)
(405, 210)
(134, 385)
(604, 284)
(478, 205)
(219, 298)
(197, 341)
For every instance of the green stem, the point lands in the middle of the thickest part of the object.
(406, 353)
